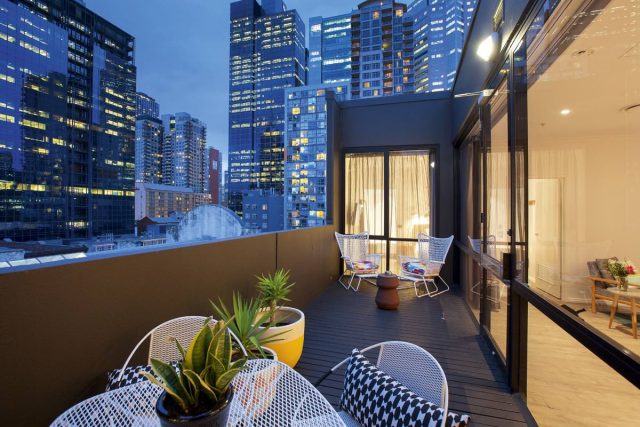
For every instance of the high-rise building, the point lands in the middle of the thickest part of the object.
(330, 50)
(147, 106)
(307, 148)
(67, 122)
(381, 49)
(149, 146)
(183, 155)
(440, 28)
(214, 174)
(267, 55)
(160, 201)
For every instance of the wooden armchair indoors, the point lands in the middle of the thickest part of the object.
(601, 280)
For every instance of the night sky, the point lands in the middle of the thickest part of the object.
(182, 51)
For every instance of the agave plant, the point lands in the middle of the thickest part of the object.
(274, 289)
(205, 372)
(245, 322)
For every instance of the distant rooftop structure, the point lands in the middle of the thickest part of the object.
(35, 250)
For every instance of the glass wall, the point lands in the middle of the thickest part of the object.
(469, 225)
(393, 211)
(583, 112)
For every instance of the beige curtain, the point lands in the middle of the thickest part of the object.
(364, 193)
(409, 194)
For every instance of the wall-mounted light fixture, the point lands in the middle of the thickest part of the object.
(488, 47)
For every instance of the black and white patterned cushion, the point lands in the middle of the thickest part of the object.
(375, 399)
(132, 375)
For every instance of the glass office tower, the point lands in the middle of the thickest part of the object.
(67, 122)
(381, 50)
(330, 50)
(147, 106)
(267, 55)
(439, 28)
(307, 148)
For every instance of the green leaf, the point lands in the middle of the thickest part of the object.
(217, 369)
(223, 381)
(196, 356)
(180, 348)
(170, 392)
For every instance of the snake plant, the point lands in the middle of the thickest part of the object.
(205, 373)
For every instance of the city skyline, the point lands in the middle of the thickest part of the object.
(196, 27)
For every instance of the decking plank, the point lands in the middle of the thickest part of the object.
(340, 320)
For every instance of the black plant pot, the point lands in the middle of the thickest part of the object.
(169, 412)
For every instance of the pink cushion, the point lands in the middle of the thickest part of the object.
(364, 265)
(420, 269)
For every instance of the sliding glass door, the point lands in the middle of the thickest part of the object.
(388, 194)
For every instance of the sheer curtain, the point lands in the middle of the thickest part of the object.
(409, 194)
(364, 193)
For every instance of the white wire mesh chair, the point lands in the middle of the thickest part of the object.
(161, 340)
(489, 261)
(266, 394)
(432, 254)
(354, 250)
(413, 367)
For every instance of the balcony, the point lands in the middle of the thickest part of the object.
(87, 316)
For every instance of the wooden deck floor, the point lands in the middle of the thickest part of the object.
(341, 320)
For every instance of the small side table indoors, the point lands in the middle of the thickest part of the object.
(630, 298)
(267, 393)
(387, 297)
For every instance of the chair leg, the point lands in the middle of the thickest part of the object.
(351, 281)
(428, 292)
(355, 289)
(342, 283)
(438, 291)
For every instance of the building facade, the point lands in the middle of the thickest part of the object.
(440, 28)
(263, 211)
(67, 122)
(381, 50)
(147, 106)
(159, 201)
(267, 55)
(330, 50)
(149, 146)
(183, 155)
(307, 150)
(214, 169)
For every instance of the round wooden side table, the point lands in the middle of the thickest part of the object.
(387, 297)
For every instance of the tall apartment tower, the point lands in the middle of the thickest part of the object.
(214, 166)
(440, 28)
(330, 50)
(267, 55)
(67, 122)
(149, 146)
(147, 106)
(381, 50)
(184, 160)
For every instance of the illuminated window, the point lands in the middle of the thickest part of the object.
(376, 14)
(295, 111)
